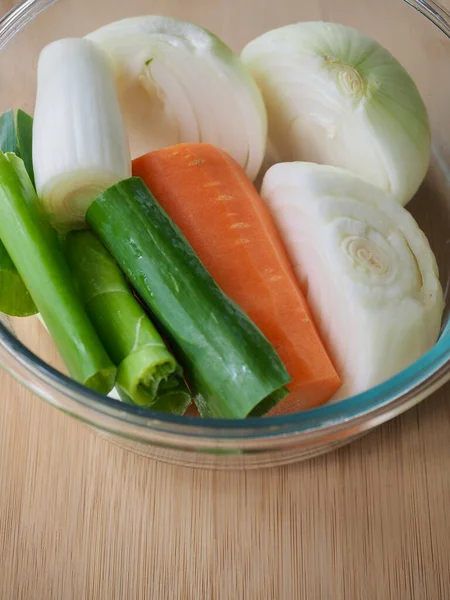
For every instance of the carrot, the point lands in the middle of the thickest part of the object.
(209, 196)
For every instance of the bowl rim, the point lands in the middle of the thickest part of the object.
(354, 414)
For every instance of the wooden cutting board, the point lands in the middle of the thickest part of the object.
(81, 519)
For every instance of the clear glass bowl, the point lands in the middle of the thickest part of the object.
(25, 348)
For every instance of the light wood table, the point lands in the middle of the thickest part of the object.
(82, 519)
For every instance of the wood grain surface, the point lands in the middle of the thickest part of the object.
(82, 519)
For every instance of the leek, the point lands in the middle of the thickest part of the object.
(34, 248)
(146, 371)
(80, 145)
(15, 299)
(15, 136)
(25, 141)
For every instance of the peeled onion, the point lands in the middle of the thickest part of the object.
(335, 96)
(368, 272)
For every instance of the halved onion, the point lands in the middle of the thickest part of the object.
(180, 83)
(334, 96)
(368, 272)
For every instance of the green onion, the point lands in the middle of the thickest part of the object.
(15, 299)
(146, 372)
(230, 366)
(34, 248)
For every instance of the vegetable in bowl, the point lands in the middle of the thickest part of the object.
(335, 96)
(15, 137)
(231, 367)
(353, 244)
(145, 367)
(193, 82)
(34, 248)
(232, 231)
(188, 285)
(80, 145)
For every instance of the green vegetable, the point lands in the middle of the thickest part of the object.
(8, 135)
(230, 366)
(147, 372)
(34, 248)
(16, 135)
(25, 141)
(173, 396)
(14, 297)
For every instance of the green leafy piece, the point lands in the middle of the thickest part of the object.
(16, 135)
(8, 134)
(25, 141)
(15, 299)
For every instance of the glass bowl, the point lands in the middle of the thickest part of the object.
(26, 350)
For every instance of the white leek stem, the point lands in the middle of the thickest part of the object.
(80, 146)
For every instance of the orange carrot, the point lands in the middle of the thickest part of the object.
(209, 196)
